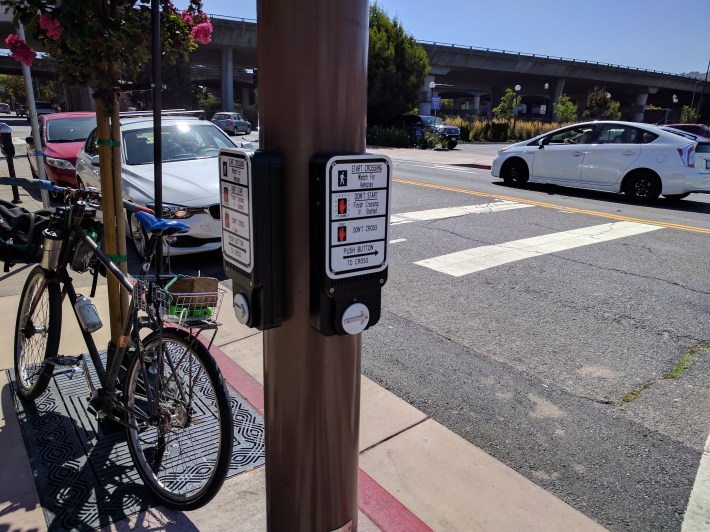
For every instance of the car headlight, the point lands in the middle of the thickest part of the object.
(177, 211)
(61, 164)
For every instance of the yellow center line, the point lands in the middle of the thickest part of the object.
(557, 207)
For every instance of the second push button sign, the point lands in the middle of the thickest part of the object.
(357, 215)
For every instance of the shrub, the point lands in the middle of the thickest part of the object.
(392, 137)
(209, 104)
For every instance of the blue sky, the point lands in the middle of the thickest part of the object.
(652, 34)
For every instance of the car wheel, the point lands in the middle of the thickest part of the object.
(138, 235)
(514, 171)
(248, 130)
(235, 131)
(452, 144)
(675, 197)
(642, 187)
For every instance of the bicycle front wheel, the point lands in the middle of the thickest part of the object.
(37, 333)
(179, 418)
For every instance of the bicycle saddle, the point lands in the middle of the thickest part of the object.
(154, 226)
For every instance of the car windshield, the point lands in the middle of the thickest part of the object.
(181, 142)
(73, 129)
(432, 121)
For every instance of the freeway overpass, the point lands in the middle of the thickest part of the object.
(472, 78)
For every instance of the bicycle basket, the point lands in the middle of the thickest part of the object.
(187, 301)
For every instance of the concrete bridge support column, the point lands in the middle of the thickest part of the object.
(227, 79)
(476, 104)
(245, 98)
(639, 106)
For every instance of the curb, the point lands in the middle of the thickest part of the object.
(379, 505)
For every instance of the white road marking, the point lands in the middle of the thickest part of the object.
(483, 257)
(451, 212)
(697, 514)
(398, 240)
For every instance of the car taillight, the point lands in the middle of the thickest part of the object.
(687, 155)
(229, 121)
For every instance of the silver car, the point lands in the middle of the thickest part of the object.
(232, 123)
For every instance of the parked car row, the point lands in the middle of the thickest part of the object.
(640, 160)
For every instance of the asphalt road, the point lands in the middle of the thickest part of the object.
(531, 360)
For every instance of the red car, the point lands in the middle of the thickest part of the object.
(63, 135)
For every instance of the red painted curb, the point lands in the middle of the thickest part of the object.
(384, 510)
(376, 502)
(246, 385)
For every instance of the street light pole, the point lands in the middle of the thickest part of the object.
(432, 86)
(515, 110)
(547, 99)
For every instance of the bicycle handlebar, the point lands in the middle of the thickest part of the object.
(90, 192)
(23, 182)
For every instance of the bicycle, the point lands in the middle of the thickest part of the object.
(165, 387)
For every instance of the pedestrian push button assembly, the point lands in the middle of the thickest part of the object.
(250, 208)
(350, 212)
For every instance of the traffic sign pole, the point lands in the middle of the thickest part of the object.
(311, 381)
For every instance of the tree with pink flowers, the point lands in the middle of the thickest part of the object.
(103, 44)
(100, 42)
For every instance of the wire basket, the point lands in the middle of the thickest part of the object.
(185, 301)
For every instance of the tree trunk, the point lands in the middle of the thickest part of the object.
(114, 231)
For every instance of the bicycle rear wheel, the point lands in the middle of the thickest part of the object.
(182, 453)
(37, 333)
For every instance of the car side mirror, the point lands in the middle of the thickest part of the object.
(94, 160)
(543, 142)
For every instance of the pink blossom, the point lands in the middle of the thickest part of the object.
(186, 16)
(200, 18)
(202, 33)
(51, 25)
(20, 50)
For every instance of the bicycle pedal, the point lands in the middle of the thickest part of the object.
(65, 360)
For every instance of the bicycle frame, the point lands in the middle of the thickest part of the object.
(108, 377)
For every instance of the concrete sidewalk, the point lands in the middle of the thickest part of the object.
(415, 473)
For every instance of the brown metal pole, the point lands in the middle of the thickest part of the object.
(313, 99)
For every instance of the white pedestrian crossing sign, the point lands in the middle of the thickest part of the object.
(357, 196)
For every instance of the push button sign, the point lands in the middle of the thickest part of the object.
(357, 215)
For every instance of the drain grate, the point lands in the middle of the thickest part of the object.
(85, 476)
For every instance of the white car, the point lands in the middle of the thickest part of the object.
(640, 160)
(190, 176)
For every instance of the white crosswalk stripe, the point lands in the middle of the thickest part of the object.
(451, 212)
(483, 257)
